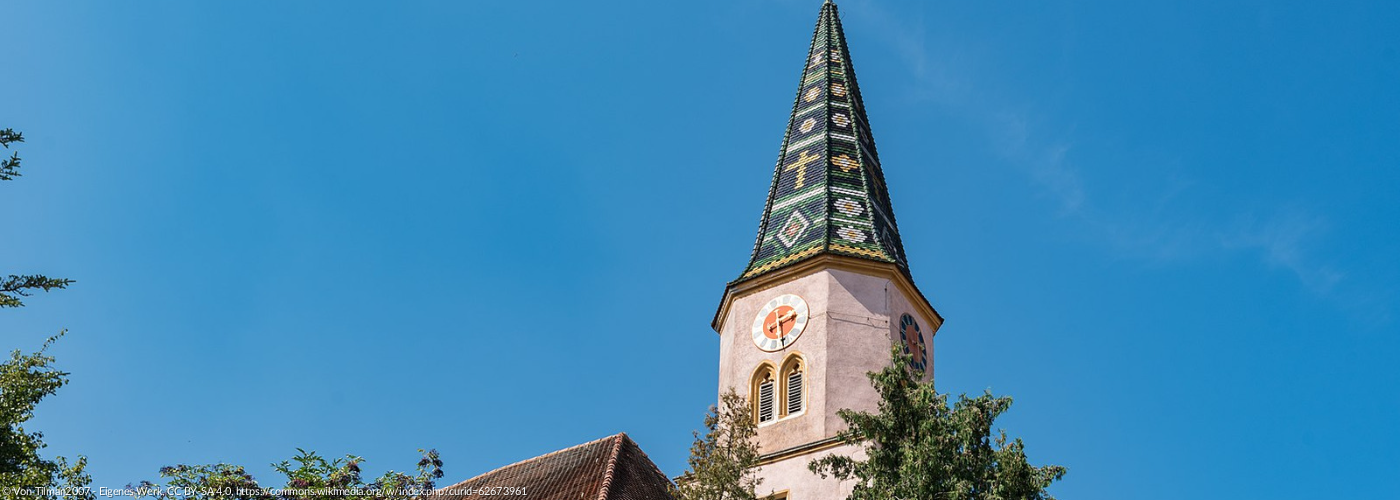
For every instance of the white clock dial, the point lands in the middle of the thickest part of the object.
(780, 322)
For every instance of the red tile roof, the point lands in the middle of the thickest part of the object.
(611, 468)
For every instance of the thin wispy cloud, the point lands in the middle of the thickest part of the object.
(1282, 241)
(940, 80)
(1157, 224)
(1046, 163)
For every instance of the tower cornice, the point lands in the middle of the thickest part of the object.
(818, 263)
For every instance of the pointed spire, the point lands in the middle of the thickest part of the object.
(828, 193)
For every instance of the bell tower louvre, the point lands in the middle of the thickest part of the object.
(827, 290)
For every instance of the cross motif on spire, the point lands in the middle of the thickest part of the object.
(828, 173)
(800, 165)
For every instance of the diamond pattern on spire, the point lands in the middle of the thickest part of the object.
(828, 193)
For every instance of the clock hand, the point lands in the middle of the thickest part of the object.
(791, 315)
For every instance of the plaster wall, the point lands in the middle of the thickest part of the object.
(899, 304)
(739, 358)
(853, 321)
(793, 477)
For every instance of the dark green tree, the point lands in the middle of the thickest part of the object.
(16, 286)
(722, 461)
(919, 448)
(25, 379)
(9, 167)
(308, 477)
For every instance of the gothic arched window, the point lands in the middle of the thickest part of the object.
(794, 385)
(764, 393)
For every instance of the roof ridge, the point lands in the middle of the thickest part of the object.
(872, 172)
(546, 455)
(827, 47)
(644, 455)
(612, 465)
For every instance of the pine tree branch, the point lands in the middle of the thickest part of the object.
(16, 286)
(9, 167)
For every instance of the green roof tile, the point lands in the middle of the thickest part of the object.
(828, 193)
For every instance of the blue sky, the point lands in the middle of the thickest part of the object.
(1167, 229)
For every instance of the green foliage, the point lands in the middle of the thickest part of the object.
(917, 447)
(309, 477)
(722, 462)
(14, 287)
(9, 167)
(25, 379)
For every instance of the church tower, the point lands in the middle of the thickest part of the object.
(827, 291)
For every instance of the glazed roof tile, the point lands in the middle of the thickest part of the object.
(828, 193)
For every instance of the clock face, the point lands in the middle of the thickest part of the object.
(913, 342)
(779, 322)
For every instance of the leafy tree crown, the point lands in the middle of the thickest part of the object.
(918, 447)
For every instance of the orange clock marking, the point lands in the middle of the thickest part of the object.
(779, 322)
(915, 350)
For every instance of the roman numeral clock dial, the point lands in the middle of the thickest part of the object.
(780, 322)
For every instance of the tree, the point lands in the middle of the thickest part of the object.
(16, 286)
(722, 462)
(9, 167)
(309, 477)
(25, 379)
(917, 447)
